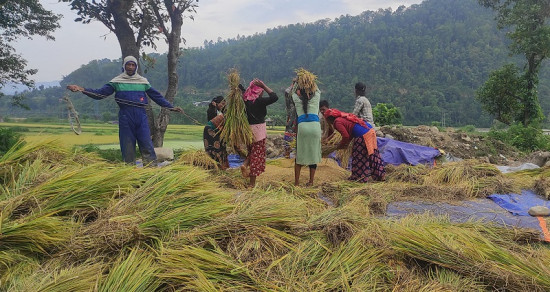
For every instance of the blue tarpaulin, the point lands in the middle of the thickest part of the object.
(519, 204)
(397, 152)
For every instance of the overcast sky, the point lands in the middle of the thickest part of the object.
(76, 44)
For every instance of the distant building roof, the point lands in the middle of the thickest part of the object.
(201, 103)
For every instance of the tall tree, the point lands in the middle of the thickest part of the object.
(138, 23)
(21, 19)
(169, 16)
(530, 35)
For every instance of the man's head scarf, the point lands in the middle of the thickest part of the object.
(125, 78)
(252, 92)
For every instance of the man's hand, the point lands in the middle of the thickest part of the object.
(75, 88)
(177, 109)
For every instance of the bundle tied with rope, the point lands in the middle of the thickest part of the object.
(72, 115)
(236, 131)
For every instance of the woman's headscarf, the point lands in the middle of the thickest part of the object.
(332, 112)
(252, 92)
(134, 78)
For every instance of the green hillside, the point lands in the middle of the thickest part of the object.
(427, 59)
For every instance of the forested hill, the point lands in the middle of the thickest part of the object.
(427, 59)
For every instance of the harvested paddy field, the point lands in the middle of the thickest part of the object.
(73, 222)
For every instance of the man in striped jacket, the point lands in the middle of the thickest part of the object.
(131, 91)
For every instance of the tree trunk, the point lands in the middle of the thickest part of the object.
(124, 33)
(174, 39)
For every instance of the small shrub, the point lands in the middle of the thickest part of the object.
(8, 138)
(468, 129)
(386, 114)
(525, 138)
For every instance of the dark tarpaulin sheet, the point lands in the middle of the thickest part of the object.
(484, 210)
(397, 152)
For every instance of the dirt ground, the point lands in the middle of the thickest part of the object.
(456, 144)
(282, 169)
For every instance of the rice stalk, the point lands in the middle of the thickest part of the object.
(236, 131)
(314, 266)
(132, 272)
(456, 172)
(38, 235)
(14, 266)
(343, 155)
(92, 186)
(306, 80)
(196, 268)
(198, 158)
(83, 277)
(468, 251)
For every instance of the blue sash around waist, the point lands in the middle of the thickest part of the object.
(308, 118)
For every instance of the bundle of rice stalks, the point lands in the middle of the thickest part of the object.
(456, 172)
(497, 185)
(84, 277)
(84, 187)
(477, 250)
(273, 209)
(314, 266)
(406, 173)
(542, 187)
(199, 269)
(236, 131)
(178, 201)
(257, 246)
(340, 224)
(133, 272)
(40, 235)
(14, 266)
(198, 158)
(104, 238)
(30, 174)
(343, 155)
(306, 80)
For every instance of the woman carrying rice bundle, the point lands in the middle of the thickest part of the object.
(366, 163)
(256, 110)
(307, 96)
(214, 147)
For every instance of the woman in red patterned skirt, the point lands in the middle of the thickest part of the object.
(366, 163)
(256, 110)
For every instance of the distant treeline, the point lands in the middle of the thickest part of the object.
(427, 59)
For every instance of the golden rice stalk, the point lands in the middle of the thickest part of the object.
(474, 249)
(313, 265)
(38, 235)
(15, 266)
(236, 131)
(133, 272)
(84, 277)
(306, 80)
(456, 172)
(198, 158)
(200, 269)
(343, 155)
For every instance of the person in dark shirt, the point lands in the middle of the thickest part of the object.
(213, 145)
(256, 111)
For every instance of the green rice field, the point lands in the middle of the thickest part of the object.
(105, 136)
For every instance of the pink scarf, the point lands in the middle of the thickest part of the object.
(252, 92)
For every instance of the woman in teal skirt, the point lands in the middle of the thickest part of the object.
(308, 138)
